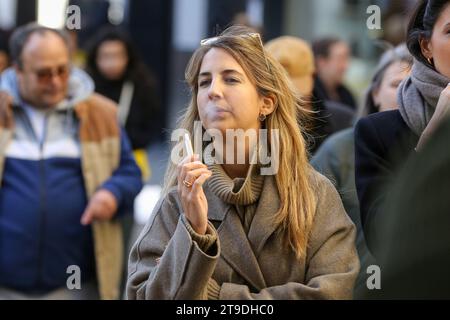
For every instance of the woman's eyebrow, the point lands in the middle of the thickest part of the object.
(226, 71)
(231, 71)
(204, 74)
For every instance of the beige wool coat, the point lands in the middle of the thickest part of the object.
(166, 263)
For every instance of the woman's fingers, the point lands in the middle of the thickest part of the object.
(186, 160)
(185, 188)
(197, 186)
(192, 175)
(187, 175)
(192, 166)
(188, 167)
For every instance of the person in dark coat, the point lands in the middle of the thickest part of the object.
(384, 140)
(413, 252)
(332, 57)
(120, 75)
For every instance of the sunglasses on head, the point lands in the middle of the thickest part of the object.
(253, 35)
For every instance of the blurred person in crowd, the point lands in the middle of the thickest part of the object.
(291, 218)
(332, 57)
(336, 157)
(243, 19)
(384, 140)
(4, 56)
(296, 56)
(395, 21)
(67, 172)
(120, 75)
(4, 59)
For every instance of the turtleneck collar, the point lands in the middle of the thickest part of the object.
(238, 191)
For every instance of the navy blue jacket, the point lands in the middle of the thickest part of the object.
(383, 141)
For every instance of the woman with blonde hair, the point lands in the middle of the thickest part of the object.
(228, 231)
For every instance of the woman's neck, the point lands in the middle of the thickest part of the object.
(236, 168)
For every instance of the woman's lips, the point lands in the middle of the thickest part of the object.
(220, 112)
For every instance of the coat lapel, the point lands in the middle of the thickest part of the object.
(236, 248)
(263, 225)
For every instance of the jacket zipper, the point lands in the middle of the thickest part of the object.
(43, 199)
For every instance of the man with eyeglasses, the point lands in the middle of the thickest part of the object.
(67, 174)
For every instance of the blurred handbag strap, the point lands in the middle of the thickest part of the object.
(126, 96)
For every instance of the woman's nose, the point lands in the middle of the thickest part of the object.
(215, 90)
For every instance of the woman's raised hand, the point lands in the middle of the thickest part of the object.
(192, 174)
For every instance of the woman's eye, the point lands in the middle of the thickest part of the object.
(232, 80)
(395, 84)
(203, 83)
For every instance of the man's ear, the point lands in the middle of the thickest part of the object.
(426, 48)
(269, 103)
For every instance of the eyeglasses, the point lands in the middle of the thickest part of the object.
(253, 35)
(46, 75)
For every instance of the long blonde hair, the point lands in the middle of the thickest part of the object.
(297, 198)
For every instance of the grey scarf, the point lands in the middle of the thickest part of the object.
(418, 96)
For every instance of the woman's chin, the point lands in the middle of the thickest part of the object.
(219, 124)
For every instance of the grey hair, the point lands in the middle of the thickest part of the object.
(399, 53)
(21, 35)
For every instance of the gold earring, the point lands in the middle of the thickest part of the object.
(430, 61)
(262, 117)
